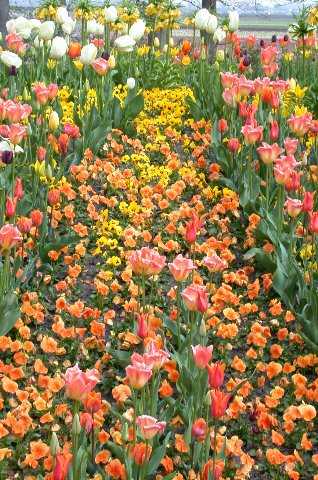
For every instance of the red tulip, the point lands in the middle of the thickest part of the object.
(62, 463)
(199, 430)
(216, 374)
(202, 355)
(313, 224)
(274, 131)
(219, 403)
(308, 201)
(10, 207)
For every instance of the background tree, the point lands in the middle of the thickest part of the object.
(4, 15)
(209, 4)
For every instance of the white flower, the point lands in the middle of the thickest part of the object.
(61, 15)
(212, 24)
(131, 83)
(46, 30)
(38, 43)
(35, 24)
(21, 26)
(68, 26)
(233, 21)
(111, 14)
(88, 54)
(125, 43)
(10, 59)
(201, 19)
(137, 30)
(58, 48)
(91, 26)
(219, 35)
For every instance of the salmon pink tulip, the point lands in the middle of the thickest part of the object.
(196, 298)
(181, 267)
(146, 261)
(78, 383)
(202, 355)
(10, 237)
(149, 426)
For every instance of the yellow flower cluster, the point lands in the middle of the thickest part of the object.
(90, 102)
(163, 108)
(67, 105)
(46, 13)
(108, 231)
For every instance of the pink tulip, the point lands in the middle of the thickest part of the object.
(293, 206)
(233, 145)
(100, 65)
(300, 125)
(146, 261)
(202, 355)
(291, 145)
(18, 189)
(10, 237)
(149, 426)
(193, 227)
(214, 263)
(195, 297)
(274, 131)
(308, 201)
(138, 375)
(86, 421)
(181, 267)
(78, 383)
(313, 223)
(269, 153)
(228, 79)
(142, 325)
(155, 356)
(252, 134)
(268, 55)
(10, 207)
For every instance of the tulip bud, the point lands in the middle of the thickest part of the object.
(112, 61)
(207, 400)
(25, 95)
(36, 217)
(156, 42)
(202, 329)
(131, 83)
(53, 196)
(54, 121)
(10, 207)
(18, 189)
(220, 55)
(76, 426)
(171, 42)
(54, 445)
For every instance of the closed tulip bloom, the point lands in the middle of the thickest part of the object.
(138, 375)
(36, 217)
(222, 125)
(78, 383)
(110, 14)
(140, 453)
(10, 59)
(125, 43)
(269, 153)
(201, 19)
(61, 15)
(181, 267)
(74, 50)
(137, 30)
(233, 145)
(53, 196)
(196, 298)
(219, 403)
(142, 325)
(308, 201)
(313, 223)
(18, 189)
(58, 48)
(274, 131)
(10, 207)
(252, 134)
(234, 20)
(291, 145)
(293, 206)
(212, 24)
(46, 31)
(193, 227)
(199, 430)
(86, 421)
(202, 355)
(212, 470)
(149, 426)
(10, 237)
(88, 54)
(216, 374)
(54, 121)
(62, 463)
(100, 66)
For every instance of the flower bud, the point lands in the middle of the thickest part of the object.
(54, 445)
(208, 398)
(202, 329)
(54, 121)
(76, 426)
(220, 55)
(156, 42)
(131, 83)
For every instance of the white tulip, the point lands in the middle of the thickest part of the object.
(111, 14)
(61, 15)
(46, 30)
(201, 19)
(88, 54)
(10, 59)
(91, 27)
(38, 43)
(233, 21)
(21, 26)
(5, 146)
(125, 43)
(131, 83)
(69, 26)
(58, 48)
(219, 35)
(10, 25)
(212, 24)
(35, 24)
(99, 29)
(137, 30)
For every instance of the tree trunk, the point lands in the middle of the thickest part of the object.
(4, 15)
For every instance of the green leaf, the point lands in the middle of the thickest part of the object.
(134, 107)
(9, 312)
(157, 456)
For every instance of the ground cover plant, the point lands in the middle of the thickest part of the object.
(158, 246)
